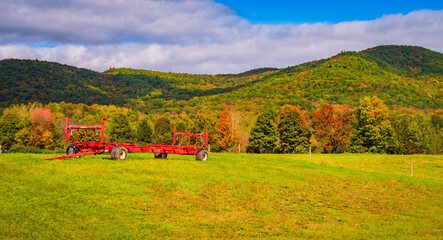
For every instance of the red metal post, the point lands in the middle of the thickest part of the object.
(86, 136)
(175, 133)
(93, 135)
(67, 132)
(102, 133)
(207, 138)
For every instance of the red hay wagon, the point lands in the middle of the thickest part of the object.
(120, 151)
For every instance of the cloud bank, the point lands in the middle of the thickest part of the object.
(193, 36)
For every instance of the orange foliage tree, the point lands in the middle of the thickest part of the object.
(224, 135)
(42, 128)
(333, 127)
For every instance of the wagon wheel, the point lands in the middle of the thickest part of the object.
(160, 155)
(202, 155)
(119, 153)
(72, 149)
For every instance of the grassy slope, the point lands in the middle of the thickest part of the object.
(230, 196)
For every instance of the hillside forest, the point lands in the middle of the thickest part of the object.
(385, 99)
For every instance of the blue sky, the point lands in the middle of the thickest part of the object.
(207, 36)
(287, 11)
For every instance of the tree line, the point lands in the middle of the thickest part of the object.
(370, 127)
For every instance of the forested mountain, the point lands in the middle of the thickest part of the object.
(400, 75)
(407, 61)
(385, 99)
(23, 81)
(345, 78)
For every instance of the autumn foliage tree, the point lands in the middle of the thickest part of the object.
(333, 127)
(293, 129)
(224, 135)
(42, 128)
(374, 130)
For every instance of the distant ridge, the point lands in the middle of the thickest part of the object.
(405, 59)
(407, 76)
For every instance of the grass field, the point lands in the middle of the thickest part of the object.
(228, 197)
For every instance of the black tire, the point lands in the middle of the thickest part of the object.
(160, 155)
(72, 149)
(119, 153)
(202, 155)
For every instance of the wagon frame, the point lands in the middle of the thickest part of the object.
(119, 151)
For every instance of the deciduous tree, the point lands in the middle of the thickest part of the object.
(415, 133)
(120, 130)
(333, 127)
(42, 128)
(163, 132)
(374, 130)
(10, 124)
(225, 136)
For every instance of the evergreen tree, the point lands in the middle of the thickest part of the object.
(293, 130)
(163, 132)
(144, 132)
(263, 136)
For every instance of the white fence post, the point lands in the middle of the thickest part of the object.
(309, 153)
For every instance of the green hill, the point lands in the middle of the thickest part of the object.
(24, 81)
(401, 75)
(406, 60)
(344, 79)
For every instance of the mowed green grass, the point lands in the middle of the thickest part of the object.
(231, 196)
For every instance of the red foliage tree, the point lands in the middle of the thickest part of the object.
(333, 127)
(42, 117)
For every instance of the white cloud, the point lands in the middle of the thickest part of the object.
(194, 36)
(109, 21)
